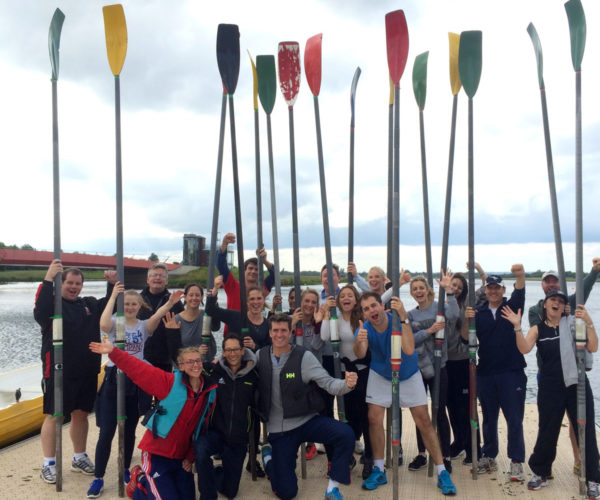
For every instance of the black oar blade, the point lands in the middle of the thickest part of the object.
(469, 61)
(228, 55)
(539, 56)
(419, 78)
(267, 82)
(577, 29)
(54, 40)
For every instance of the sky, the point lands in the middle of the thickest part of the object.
(170, 100)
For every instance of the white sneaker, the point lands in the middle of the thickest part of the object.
(84, 465)
(320, 448)
(359, 447)
(516, 471)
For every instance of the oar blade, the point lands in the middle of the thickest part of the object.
(577, 29)
(391, 91)
(288, 60)
(454, 42)
(353, 88)
(419, 78)
(267, 82)
(312, 63)
(539, 56)
(115, 30)
(254, 82)
(54, 40)
(228, 55)
(396, 34)
(469, 61)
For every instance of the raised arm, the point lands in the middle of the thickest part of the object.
(519, 273)
(361, 341)
(154, 320)
(592, 336)
(106, 323)
(222, 255)
(524, 343)
(360, 281)
(408, 339)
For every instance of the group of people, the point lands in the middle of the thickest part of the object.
(278, 368)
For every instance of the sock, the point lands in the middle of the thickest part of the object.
(79, 456)
(379, 463)
(50, 461)
(332, 484)
(440, 468)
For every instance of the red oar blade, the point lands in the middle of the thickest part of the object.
(228, 55)
(396, 34)
(312, 63)
(288, 59)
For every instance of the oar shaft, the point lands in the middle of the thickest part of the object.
(351, 201)
(390, 199)
(295, 241)
(273, 212)
(425, 200)
(259, 232)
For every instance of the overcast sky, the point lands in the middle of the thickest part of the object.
(171, 95)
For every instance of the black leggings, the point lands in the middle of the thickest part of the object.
(443, 427)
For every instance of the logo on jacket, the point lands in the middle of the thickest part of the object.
(290, 375)
(221, 381)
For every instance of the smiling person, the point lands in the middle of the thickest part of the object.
(81, 317)
(501, 379)
(186, 398)
(557, 386)
(290, 404)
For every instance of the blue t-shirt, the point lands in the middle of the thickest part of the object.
(380, 345)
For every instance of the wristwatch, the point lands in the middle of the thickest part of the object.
(406, 321)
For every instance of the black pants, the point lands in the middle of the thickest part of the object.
(357, 410)
(553, 399)
(443, 427)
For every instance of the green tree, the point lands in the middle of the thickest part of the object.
(153, 257)
(27, 246)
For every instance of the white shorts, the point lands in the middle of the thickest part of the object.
(412, 391)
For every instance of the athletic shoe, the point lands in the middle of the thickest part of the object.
(367, 467)
(418, 463)
(84, 465)
(320, 448)
(445, 483)
(96, 488)
(311, 451)
(592, 490)
(48, 473)
(536, 482)
(259, 470)
(516, 471)
(359, 447)
(376, 479)
(334, 494)
(448, 465)
(486, 465)
(467, 461)
(126, 476)
(456, 453)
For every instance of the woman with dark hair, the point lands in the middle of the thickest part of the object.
(557, 387)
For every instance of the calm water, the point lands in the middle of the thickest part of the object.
(21, 340)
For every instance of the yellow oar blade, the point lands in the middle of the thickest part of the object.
(391, 91)
(115, 30)
(454, 42)
(254, 81)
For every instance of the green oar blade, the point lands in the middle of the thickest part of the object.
(115, 30)
(469, 61)
(419, 78)
(577, 29)
(539, 56)
(454, 42)
(267, 81)
(54, 40)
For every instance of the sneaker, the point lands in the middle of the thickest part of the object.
(84, 465)
(48, 473)
(516, 471)
(266, 455)
(486, 465)
(592, 490)
(536, 482)
(448, 465)
(445, 483)
(320, 448)
(311, 451)
(467, 461)
(418, 463)
(95, 488)
(456, 453)
(359, 447)
(136, 474)
(367, 467)
(376, 479)
(334, 494)
(259, 470)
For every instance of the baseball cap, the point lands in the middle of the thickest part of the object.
(549, 273)
(494, 279)
(557, 293)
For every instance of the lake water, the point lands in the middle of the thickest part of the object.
(21, 340)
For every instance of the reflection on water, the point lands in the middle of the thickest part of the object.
(21, 340)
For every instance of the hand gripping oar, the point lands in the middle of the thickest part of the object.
(577, 30)
(259, 233)
(57, 323)
(351, 180)
(267, 90)
(115, 30)
(312, 67)
(396, 32)
(469, 67)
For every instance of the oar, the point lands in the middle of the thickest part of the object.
(312, 67)
(267, 90)
(396, 32)
(560, 261)
(115, 30)
(57, 338)
(469, 67)
(288, 62)
(577, 30)
(259, 234)
(351, 186)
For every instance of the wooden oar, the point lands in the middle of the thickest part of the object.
(57, 337)
(396, 32)
(469, 67)
(115, 30)
(351, 180)
(312, 68)
(577, 30)
(259, 233)
(267, 90)
(288, 61)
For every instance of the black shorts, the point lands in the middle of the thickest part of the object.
(78, 394)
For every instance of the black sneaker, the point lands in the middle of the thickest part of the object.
(456, 451)
(367, 467)
(448, 465)
(259, 470)
(418, 463)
